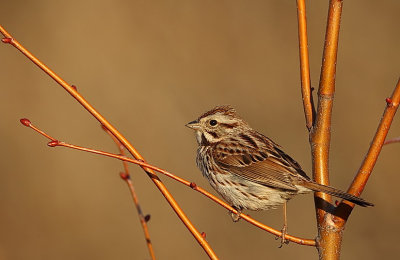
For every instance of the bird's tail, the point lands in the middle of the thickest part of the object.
(337, 193)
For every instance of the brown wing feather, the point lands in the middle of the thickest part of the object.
(265, 164)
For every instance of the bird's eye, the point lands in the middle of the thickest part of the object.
(213, 122)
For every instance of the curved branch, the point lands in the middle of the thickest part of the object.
(72, 91)
(54, 142)
(301, 241)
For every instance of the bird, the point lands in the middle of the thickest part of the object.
(248, 169)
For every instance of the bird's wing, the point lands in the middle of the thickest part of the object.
(265, 164)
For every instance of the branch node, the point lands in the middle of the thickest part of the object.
(74, 87)
(6, 40)
(147, 218)
(193, 185)
(203, 234)
(124, 176)
(389, 102)
(25, 122)
(103, 127)
(53, 143)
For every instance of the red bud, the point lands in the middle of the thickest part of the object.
(6, 40)
(25, 121)
(53, 143)
(193, 185)
(74, 87)
(203, 234)
(124, 176)
(388, 101)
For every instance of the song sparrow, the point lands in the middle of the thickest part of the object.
(248, 169)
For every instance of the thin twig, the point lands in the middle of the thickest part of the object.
(309, 110)
(393, 140)
(72, 91)
(55, 143)
(126, 177)
(344, 209)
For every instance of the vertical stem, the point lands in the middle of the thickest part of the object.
(329, 237)
(126, 177)
(305, 64)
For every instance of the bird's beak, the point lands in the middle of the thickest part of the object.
(193, 125)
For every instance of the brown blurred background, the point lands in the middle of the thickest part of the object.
(152, 66)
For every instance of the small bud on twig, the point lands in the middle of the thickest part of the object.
(103, 127)
(147, 218)
(193, 185)
(53, 143)
(74, 87)
(6, 40)
(203, 234)
(389, 101)
(25, 122)
(124, 176)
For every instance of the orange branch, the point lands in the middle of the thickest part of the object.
(329, 238)
(126, 177)
(72, 91)
(54, 143)
(301, 241)
(321, 134)
(334, 223)
(308, 105)
(344, 209)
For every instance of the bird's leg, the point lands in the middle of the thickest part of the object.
(236, 216)
(284, 229)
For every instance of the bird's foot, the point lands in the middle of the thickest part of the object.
(235, 216)
(284, 241)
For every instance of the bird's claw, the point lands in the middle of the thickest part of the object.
(235, 216)
(284, 241)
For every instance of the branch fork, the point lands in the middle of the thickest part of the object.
(331, 221)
